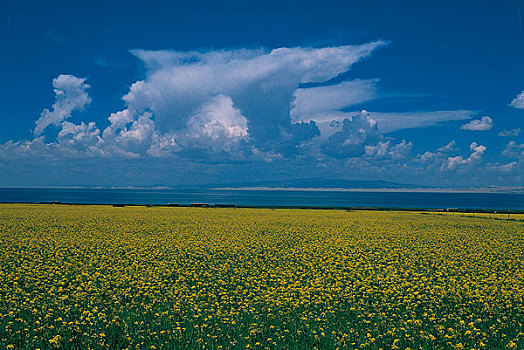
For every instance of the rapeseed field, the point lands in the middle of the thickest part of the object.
(98, 277)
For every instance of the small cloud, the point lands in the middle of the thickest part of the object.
(434, 158)
(477, 151)
(79, 137)
(70, 95)
(513, 150)
(130, 134)
(388, 150)
(518, 102)
(357, 132)
(508, 167)
(447, 148)
(508, 133)
(429, 156)
(484, 124)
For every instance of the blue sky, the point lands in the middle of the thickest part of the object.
(136, 93)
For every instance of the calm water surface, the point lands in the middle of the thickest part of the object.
(267, 198)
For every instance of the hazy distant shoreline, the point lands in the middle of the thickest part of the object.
(501, 189)
(512, 190)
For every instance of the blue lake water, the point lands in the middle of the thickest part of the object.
(267, 198)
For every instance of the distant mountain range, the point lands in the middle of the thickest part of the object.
(315, 182)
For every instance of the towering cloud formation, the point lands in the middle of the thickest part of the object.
(258, 107)
(242, 103)
(70, 95)
(260, 87)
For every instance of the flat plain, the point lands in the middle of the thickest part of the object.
(101, 277)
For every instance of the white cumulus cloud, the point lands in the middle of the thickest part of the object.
(508, 133)
(447, 148)
(70, 95)
(477, 151)
(130, 134)
(513, 150)
(263, 85)
(217, 125)
(518, 102)
(483, 124)
(509, 166)
(231, 106)
(82, 137)
(389, 150)
(356, 133)
(434, 158)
